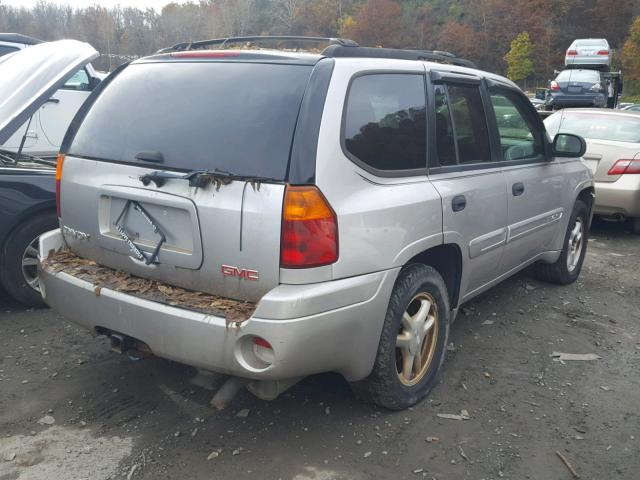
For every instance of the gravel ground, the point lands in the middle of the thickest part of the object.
(71, 409)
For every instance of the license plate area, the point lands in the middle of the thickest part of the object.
(574, 89)
(150, 227)
(135, 207)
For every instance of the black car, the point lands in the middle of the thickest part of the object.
(28, 78)
(577, 88)
(27, 210)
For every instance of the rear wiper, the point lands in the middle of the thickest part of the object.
(203, 178)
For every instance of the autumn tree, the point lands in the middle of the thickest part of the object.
(519, 62)
(376, 23)
(631, 52)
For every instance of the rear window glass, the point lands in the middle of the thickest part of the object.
(620, 128)
(591, 43)
(591, 76)
(237, 117)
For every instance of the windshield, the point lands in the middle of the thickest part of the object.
(235, 117)
(620, 128)
(587, 76)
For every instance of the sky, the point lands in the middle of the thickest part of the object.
(142, 4)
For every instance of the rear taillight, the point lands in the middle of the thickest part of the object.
(572, 53)
(625, 166)
(59, 164)
(603, 52)
(554, 86)
(309, 229)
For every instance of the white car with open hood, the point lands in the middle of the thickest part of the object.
(41, 132)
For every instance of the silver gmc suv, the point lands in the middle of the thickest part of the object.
(271, 214)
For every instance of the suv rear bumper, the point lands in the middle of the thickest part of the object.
(339, 329)
(583, 100)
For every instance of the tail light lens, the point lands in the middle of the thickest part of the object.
(59, 164)
(603, 52)
(625, 166)
(554, 86)
(572, 53)
(309, 229)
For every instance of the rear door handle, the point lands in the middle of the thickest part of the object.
(53, 100)
(592, 156)
(458, 203)
(517, 189)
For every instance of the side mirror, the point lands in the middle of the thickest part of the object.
(568, 145)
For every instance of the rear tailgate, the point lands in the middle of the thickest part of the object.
(171, 120)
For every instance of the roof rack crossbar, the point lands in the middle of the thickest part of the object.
(223, 42)
(335, 51)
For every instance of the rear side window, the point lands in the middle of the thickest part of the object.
(460, 114)
(236, 117)
(385, 122)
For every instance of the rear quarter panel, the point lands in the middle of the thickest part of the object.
(382, 222)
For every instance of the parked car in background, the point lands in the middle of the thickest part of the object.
(319, 226)
(42, 133)
(577, 88)
(613, 155)
(589, 51)
(633, 107)
(27, 182)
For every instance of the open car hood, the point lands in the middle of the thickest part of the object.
(30, 76)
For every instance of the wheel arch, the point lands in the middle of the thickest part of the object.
(588, 196)
(446, 259)
(25, 216)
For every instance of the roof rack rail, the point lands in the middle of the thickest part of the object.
(223, 42)
(338, 50)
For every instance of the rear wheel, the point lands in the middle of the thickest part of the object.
(412, 343)
(567, 268)
(19, 275)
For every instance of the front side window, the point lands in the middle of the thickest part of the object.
(470, 124)
(385, 121)
(520, 139)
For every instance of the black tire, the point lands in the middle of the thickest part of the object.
(559, 272)
(383, 386)
(11, 277)
(548, 108)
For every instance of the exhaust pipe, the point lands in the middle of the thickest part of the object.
(131, 347)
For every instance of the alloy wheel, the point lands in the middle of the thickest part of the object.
(417, 339)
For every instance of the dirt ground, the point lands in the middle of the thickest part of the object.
(71, 409)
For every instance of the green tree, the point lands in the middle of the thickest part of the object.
(518, 58)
